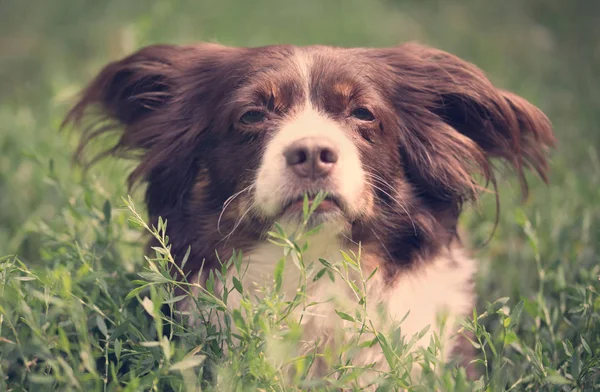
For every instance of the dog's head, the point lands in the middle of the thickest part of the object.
(235, 137)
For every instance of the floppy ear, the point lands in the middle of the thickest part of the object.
(135, 86)
(157, 101)
(130, 97)
(457, 121)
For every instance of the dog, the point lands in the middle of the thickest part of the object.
(230, 140)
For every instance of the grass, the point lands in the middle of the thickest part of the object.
(81, 309)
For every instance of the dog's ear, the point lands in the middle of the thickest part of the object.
(131, 98)
(144, 99)
(456, 121)
(136, 86)
(158, 101)
(129, 91)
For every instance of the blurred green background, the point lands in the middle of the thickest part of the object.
(547, 51)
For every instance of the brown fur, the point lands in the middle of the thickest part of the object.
(439, 124)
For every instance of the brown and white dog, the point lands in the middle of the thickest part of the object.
(230, 139)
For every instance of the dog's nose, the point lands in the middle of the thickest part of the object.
(311, 157)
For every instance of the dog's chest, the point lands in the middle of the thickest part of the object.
(441, 286)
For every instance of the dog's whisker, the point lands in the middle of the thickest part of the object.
(345, 236)
(382, 244)
(399, 202)
(237, 224)
(228, 202)
(382, 181)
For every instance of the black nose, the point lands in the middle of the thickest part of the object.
(311, 157)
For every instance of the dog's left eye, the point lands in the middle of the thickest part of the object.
(252, 117)
(363, 114)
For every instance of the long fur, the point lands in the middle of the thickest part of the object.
(438, 126)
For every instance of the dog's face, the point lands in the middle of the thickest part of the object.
(299, 123)
(302, 122)
(235, 137)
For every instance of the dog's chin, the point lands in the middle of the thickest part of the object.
(328, 212)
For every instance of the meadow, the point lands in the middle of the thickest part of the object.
(81, 308)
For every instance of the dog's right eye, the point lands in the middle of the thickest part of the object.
(252, 117)
(363, 114)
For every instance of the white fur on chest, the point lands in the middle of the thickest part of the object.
(441, 285)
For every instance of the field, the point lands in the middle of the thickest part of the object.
(82, 309)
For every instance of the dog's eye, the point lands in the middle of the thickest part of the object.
(363, 114)
(252, 117)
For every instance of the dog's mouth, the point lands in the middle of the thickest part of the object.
(328, 204)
